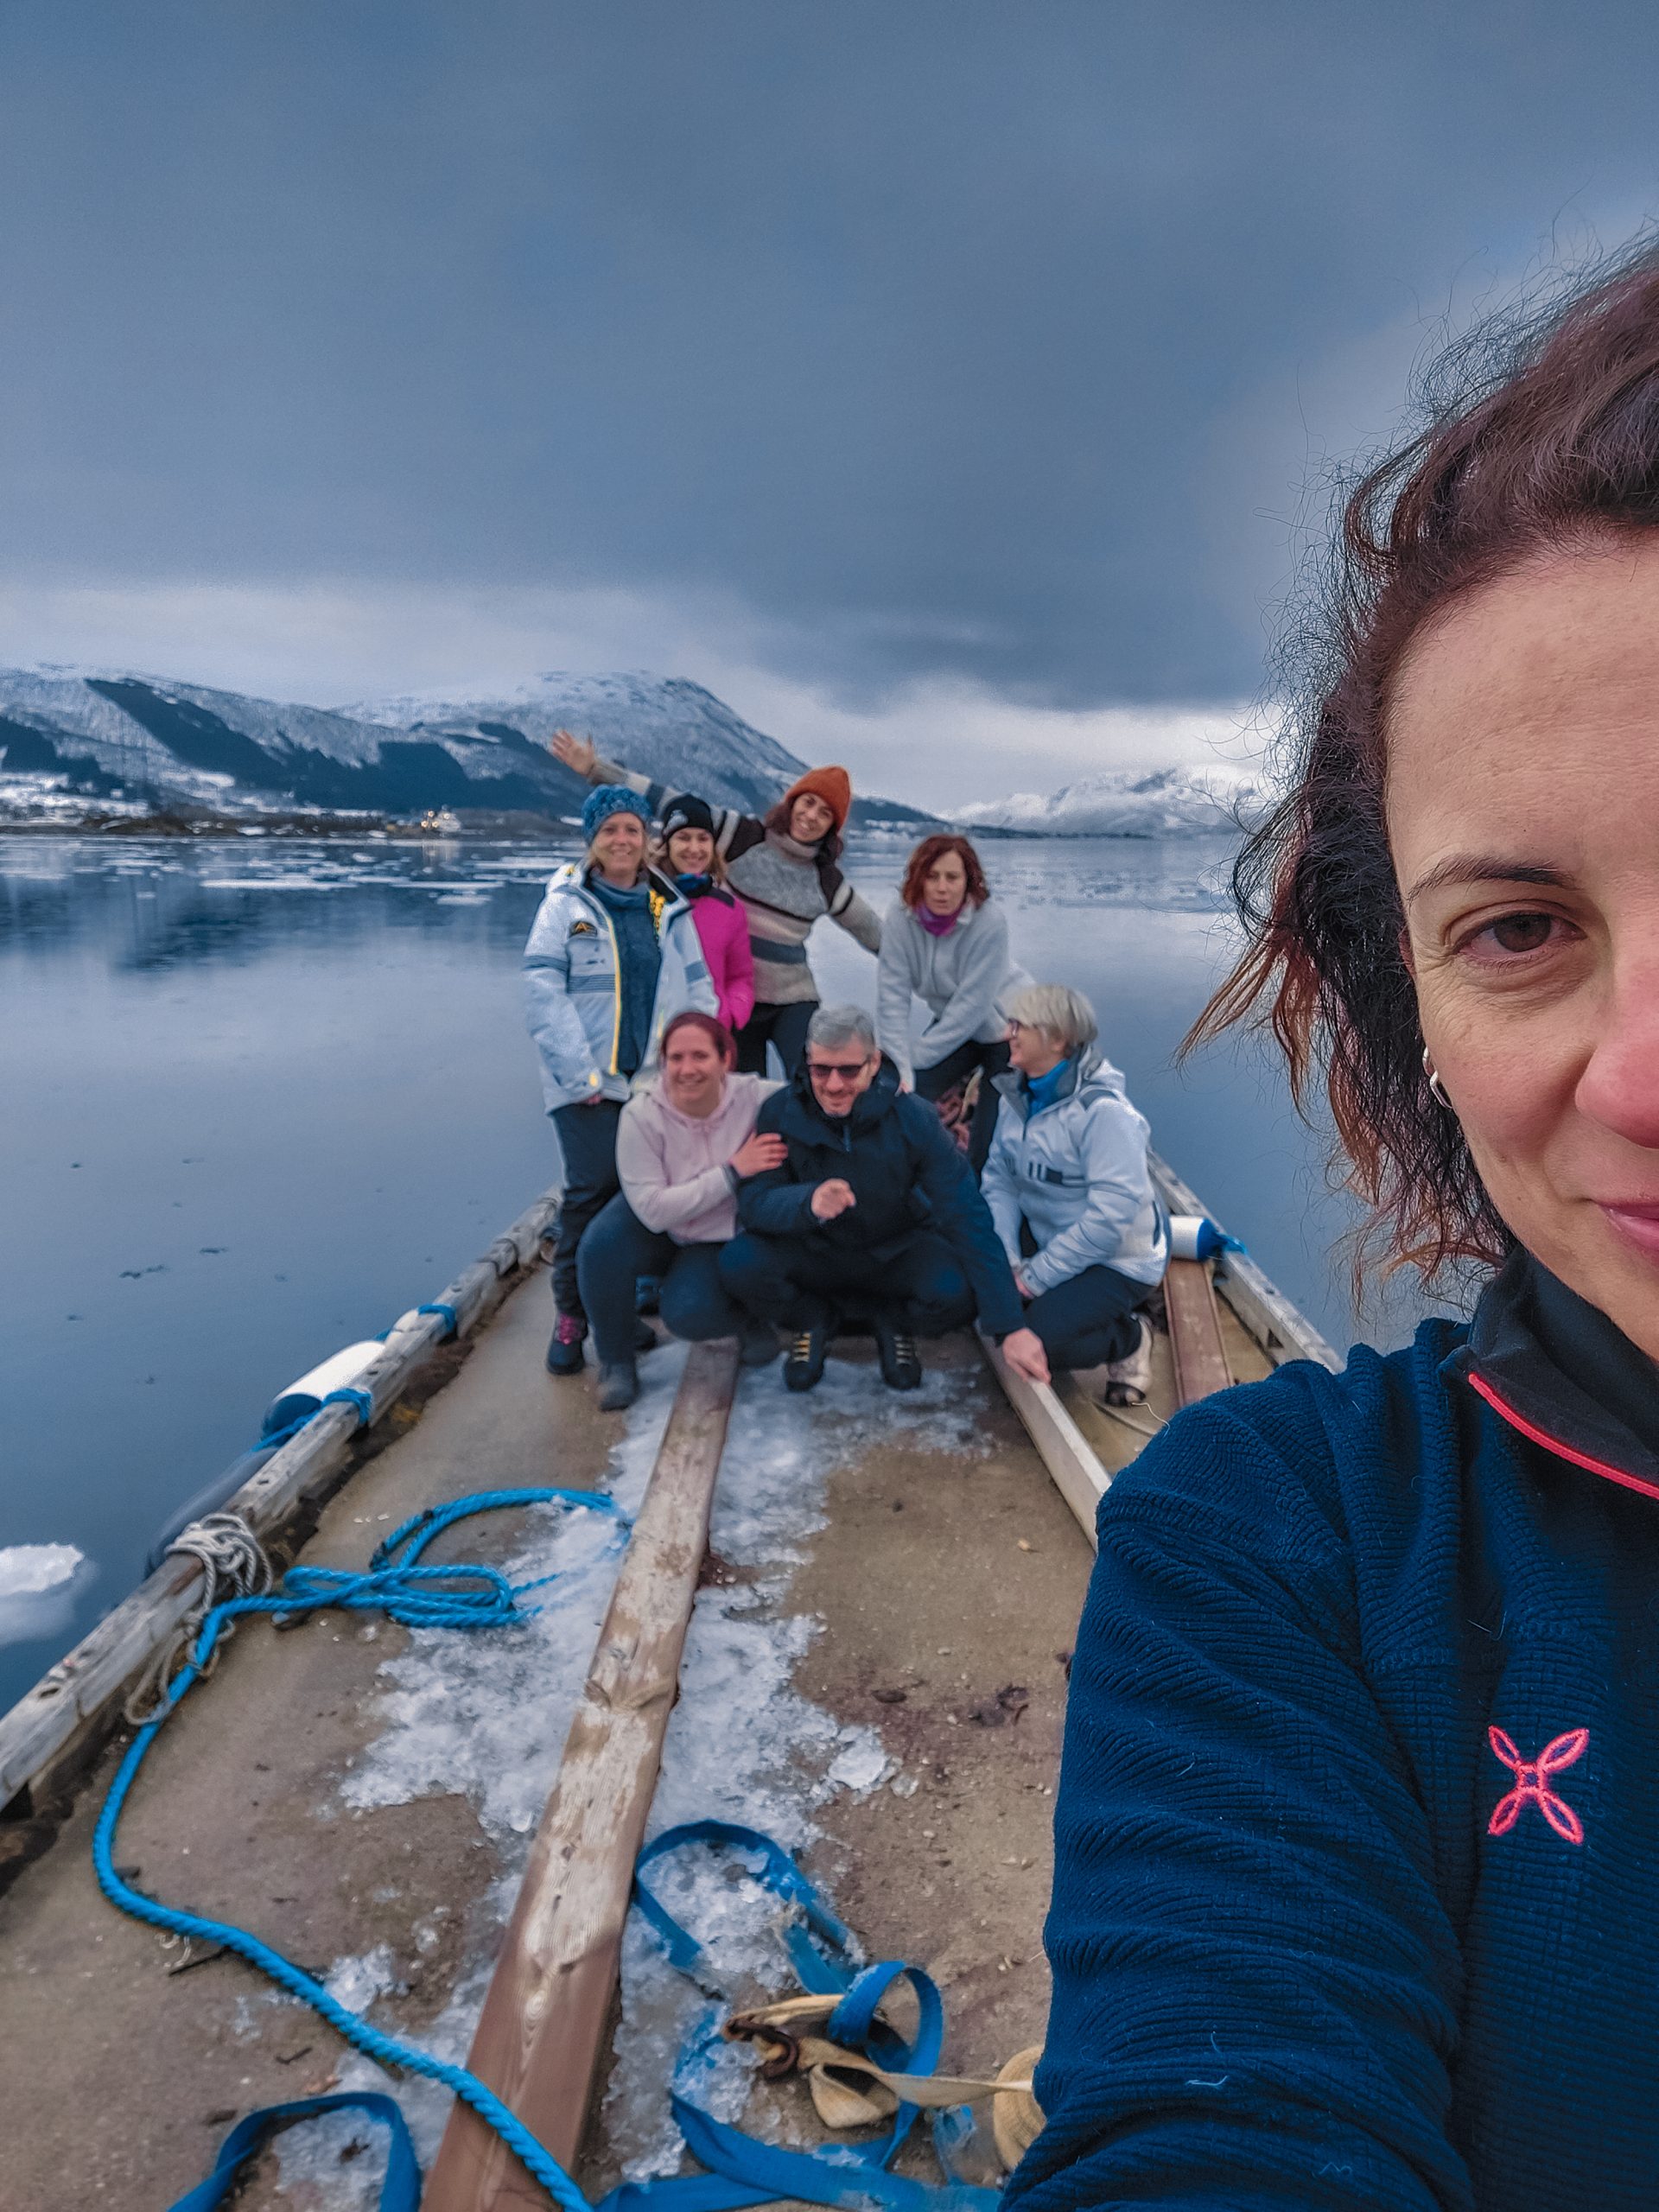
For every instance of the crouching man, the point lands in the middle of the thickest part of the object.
(872, 1214)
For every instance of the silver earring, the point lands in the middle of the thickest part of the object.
(1436, 1088)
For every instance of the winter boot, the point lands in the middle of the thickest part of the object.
(1128, 1380)
(618, 1385)
(901, 1365)
(808, 1349)
(564, 1353)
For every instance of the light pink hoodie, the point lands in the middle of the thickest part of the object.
(672, 1167)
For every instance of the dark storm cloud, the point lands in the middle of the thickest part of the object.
(944, 337)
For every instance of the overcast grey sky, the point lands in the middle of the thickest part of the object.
(933, 378)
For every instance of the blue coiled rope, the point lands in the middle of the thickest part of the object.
(463, 1596)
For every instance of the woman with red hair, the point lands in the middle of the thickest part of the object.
(684, 1142)
(945, 941)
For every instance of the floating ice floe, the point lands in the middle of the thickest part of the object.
(27, 1570)
(39, 1584)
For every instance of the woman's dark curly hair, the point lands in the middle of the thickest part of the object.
(1542, 433)
(927, 856)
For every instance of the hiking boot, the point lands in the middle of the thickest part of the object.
(757, 1344)
(1128, 1380)
(564, 1353)
(646, 1339)
(618, 1385)
(901, 1365)
(808, 1350)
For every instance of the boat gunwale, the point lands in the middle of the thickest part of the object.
(58, 1725)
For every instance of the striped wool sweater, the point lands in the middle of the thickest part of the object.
(783, 886)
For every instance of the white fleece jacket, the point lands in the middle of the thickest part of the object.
(960, 978)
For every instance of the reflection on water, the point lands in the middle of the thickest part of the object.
(261, 1096)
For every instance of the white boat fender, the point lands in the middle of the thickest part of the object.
(1195, 1236)
(301, 1399)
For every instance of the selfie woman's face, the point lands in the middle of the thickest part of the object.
(1524, 814)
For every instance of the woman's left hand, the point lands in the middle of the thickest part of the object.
(1022, 1286)
(760, 1151)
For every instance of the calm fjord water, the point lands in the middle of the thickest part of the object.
(261, 1096)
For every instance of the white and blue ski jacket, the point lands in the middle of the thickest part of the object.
(1075, 1173)
(572, 1002)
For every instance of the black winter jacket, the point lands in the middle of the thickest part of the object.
(905, 1173)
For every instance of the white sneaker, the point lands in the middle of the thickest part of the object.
(1128, 1380)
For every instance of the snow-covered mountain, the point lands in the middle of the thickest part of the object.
(1129, 803)
(74, 740)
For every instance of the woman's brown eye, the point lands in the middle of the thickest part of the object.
(1521, 933)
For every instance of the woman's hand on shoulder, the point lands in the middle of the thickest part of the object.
(576, 753)
(759, 1153)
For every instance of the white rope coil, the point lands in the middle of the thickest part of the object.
(233, 1565)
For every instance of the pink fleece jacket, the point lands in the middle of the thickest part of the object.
(672, 1167)
(723, 933)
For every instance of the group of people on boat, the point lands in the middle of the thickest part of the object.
(989, 1170)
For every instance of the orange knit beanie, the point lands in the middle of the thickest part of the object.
(833, 786)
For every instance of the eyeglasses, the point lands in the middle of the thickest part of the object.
(843, 1071)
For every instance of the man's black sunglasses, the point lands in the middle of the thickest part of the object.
(848, 1070)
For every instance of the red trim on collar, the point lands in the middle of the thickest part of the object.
(1485, 1389)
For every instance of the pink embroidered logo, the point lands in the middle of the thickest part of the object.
(1532, 1785)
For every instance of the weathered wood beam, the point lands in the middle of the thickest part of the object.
(1079, 1475)
(76, 1703)
(1195, 1331)
(541, 2036)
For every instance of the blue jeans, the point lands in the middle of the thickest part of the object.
(619, 1248)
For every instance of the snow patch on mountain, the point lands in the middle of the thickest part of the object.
(1172, 802)
(656, 724)
(117, 741)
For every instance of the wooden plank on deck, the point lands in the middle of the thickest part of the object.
(1079, 1477)
(540, 2037)
(1195, 1331)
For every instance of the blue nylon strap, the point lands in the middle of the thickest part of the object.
(445, 1311)
(845, 2177)
(360, 1399)
(743, 2171)
(399, 2192)
(778, 1872)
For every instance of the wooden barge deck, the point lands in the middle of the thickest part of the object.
(936, 1602)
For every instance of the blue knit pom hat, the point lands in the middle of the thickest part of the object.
(608, 799)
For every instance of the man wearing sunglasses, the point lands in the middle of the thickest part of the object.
(873, 1216)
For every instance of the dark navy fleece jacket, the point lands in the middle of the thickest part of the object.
(1357, 1892)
